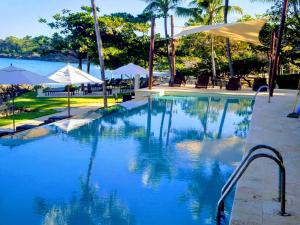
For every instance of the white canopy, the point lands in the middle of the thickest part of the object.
(71, 75)
(130, 70)
(247, 31)
(14, 76)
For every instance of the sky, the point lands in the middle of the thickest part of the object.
(20, 17)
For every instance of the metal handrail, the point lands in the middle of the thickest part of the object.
(245, 159)
(259, 89)
(220, 207)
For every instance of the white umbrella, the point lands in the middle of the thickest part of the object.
(69, 75)
(130, 70)
(15, 76)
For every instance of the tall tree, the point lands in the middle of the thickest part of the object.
(100, 50)
(230, 64)
(207, 12)
(161, 8)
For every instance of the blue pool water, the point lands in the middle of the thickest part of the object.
(163, 163)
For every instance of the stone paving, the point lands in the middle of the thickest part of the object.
(255, 200)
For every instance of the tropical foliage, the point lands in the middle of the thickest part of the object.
(126, 39)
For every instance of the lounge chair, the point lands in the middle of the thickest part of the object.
(25, 127)
(178, 81)
(202, 81)
(234, 84)
(53, 119)
(5, 133)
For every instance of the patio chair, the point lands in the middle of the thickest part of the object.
(220, 81)
(202, 81)
(234, 84)
(52, 91)
(179, 79)
(258, 82)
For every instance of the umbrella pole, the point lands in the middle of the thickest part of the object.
(69, 104)
(13, 109)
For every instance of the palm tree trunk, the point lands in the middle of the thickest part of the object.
(167, 45)
(100, 51)
(231, 70)
(170, 123)
(213, 62)
(88, 64)
(80, 62)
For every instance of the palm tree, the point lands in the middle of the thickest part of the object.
(230, 64)
(161, 8)
(207, 12)
(100, 50)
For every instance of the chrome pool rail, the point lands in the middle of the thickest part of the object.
(241, 170)
(245, 159)
(259, 90)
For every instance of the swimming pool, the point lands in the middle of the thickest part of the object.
(162, 163)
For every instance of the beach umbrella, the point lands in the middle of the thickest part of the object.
(16, 76)
(70, 75)
(130, 70)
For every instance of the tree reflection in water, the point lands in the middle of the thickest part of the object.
(156, 156)
(89, 208)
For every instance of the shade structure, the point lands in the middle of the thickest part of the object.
(15, 76)
(247, 31)
(130, 70)
(70, 75)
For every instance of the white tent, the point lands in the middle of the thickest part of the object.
(70, 75)
(130, 70)
(15, 76)
(247, 31)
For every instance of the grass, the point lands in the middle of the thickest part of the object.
(38, 107)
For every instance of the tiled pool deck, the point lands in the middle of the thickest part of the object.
(254, 202)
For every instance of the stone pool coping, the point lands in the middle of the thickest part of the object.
(254, 202)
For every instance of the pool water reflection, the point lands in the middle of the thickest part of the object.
(162, 163)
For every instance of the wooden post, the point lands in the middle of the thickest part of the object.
(13, 108)
(151, 53)
(173, 75)
(275, 63)
(69, 103)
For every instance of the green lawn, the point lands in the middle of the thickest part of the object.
(39, 107)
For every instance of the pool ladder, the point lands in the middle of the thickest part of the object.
(260, 89)
(240, 170)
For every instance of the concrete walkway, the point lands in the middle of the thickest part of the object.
(255, 202)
